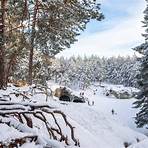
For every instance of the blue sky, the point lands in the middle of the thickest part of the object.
(117, 34)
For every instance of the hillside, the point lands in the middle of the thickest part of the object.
(95, 126)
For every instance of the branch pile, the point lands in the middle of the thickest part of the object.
(43, 122)
(25, 94)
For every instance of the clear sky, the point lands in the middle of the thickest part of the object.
(117, 34)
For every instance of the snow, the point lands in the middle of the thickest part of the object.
(98, 128)
(124, 111)
(95, 126)
(31, 145)
(8, 133)
(142, 144)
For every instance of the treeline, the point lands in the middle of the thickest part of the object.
(84, 71)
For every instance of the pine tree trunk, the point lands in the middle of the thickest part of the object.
(32, 43)
(2, 48)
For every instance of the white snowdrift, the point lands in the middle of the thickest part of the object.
(95, 126)
(142, 144)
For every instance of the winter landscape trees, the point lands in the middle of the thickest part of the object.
(32, 33)
(45, 26)
(82, 72)
(142, 77)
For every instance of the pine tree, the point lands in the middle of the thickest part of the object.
(12, 40)
(142, 77)
(2, 50)
(56, 24)
(46, 26)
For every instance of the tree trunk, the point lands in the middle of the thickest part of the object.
(32, 43)
(2, 48)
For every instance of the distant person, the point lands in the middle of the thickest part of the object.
(113, 112)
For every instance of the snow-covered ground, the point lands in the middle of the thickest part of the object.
(96, 126)
(104, 129)
(123, 108)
